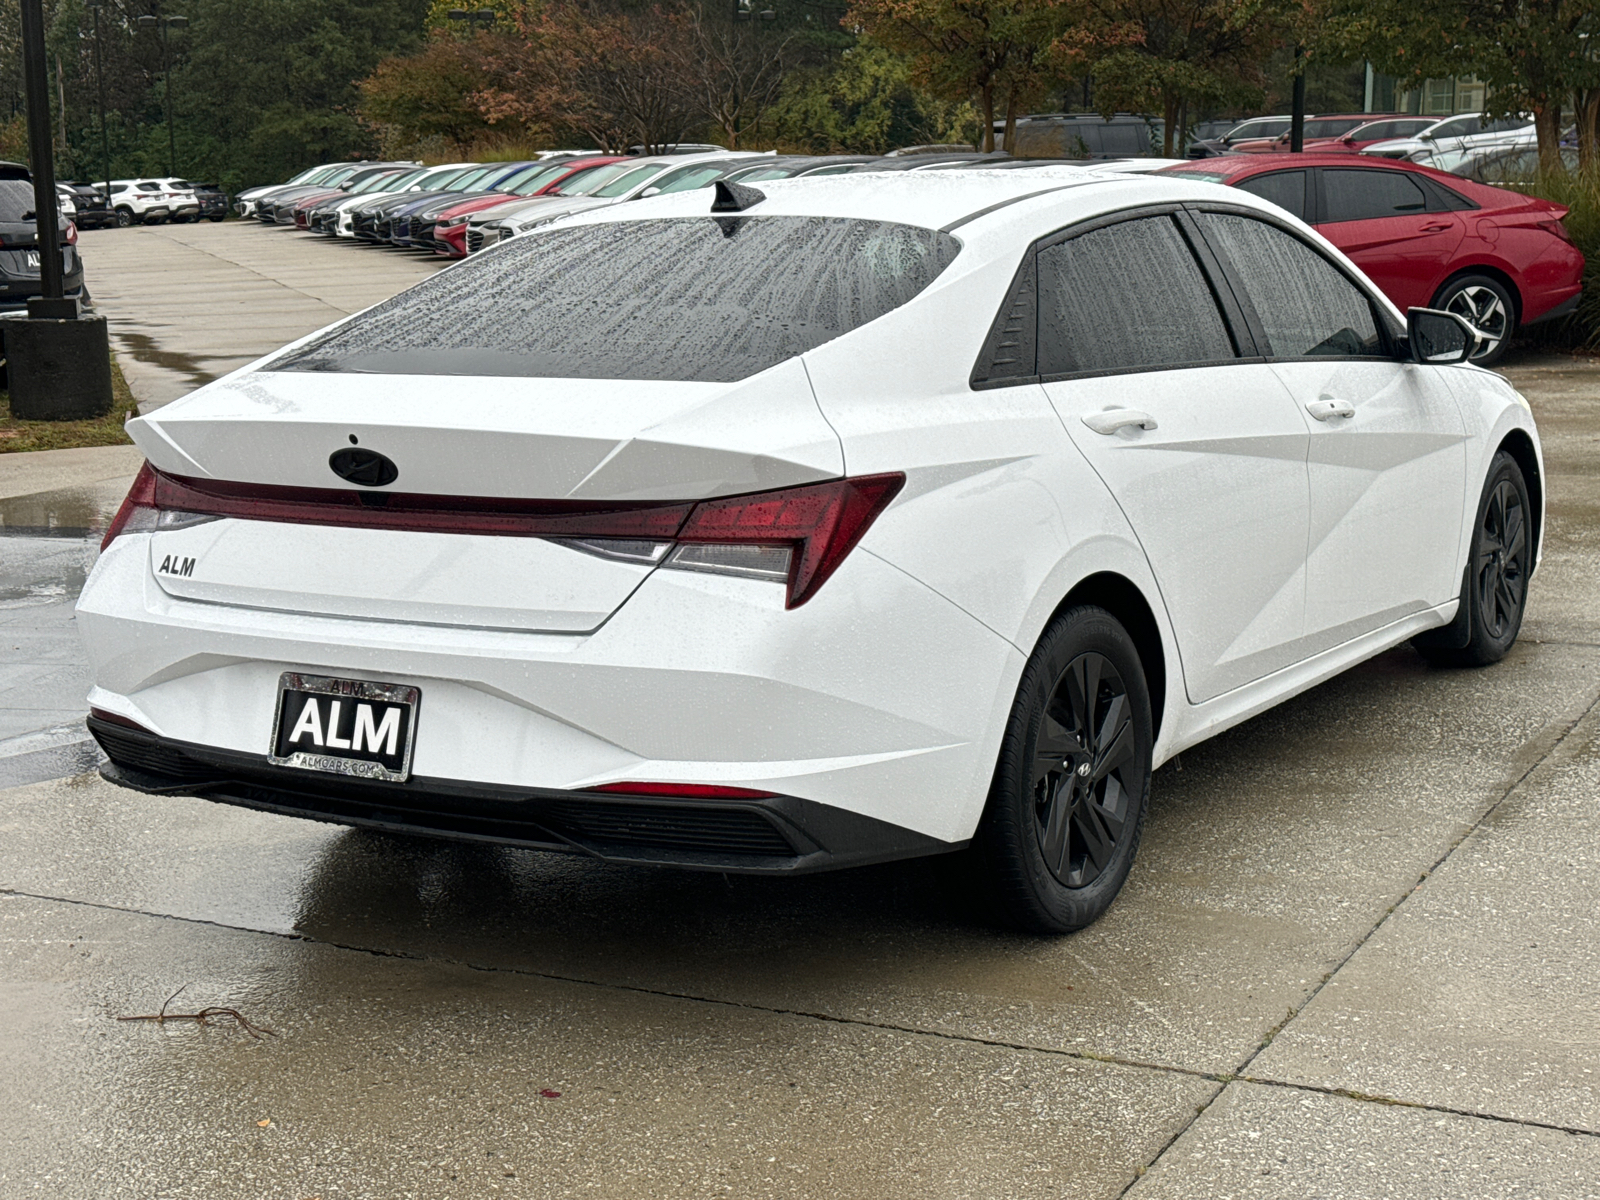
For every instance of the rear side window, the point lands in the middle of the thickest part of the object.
(1286, 189)
(711, 299)
(1306, 306)
(1356, 195)
(1126, 297)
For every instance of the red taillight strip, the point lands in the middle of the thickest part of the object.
(821, 521)
(112, 718)
(419, 512)
(697, 791)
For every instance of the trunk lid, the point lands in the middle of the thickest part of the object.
(604, 442)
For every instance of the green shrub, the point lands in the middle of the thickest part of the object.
(1580, 192)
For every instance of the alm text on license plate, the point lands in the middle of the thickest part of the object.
(345, 726)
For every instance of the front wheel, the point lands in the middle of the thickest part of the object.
(1488, 308)
(1494, 592)
(1068, 803)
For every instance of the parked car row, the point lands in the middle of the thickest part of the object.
(456, 209)
(1382, 135)
(1500, 259)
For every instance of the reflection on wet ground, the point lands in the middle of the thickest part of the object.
(79, 512)
(48, 543)
(145, 349)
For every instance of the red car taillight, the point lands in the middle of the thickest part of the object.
(797, 535)
(70, 238)
(1558, 228)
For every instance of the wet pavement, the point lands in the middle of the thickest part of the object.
(188, 303)
(1356, 957)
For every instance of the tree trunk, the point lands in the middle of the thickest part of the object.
(1011, 122)
(1547, 127)
(986, 102)
(1169, 118)
(1587, 104)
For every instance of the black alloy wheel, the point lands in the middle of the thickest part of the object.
(1082, 755)
(1494, 592)
(1073, 781)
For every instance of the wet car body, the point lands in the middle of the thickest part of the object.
(19, 249)
(700, 638)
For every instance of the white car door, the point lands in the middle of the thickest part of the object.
(1205, 453)
(1387, 452)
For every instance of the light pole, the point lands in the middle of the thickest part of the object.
(100, 79)
(164, 24)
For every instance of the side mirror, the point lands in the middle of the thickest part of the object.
(344, 187)
(648, 192)
(1439, 338)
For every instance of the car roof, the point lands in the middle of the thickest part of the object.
(977, 202)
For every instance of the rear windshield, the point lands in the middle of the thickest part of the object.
(16, 200)
(711, 299)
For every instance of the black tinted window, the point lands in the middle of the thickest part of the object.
(1306, 305)
(1126, 296)
(1286, 189)
(1357, 195)
(16, 199)
(702, 298)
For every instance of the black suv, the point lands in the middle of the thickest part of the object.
(90, 199)
(19, 249)
(213, 200)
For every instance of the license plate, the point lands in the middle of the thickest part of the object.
(33, 259)
(345, 726)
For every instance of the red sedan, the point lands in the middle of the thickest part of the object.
(1427, 239)
(1320, 128)
(451, 227)
(1362, 136)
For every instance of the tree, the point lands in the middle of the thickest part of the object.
(733, 69)
(613, 75)
(864, 104)
(431, 93)
(1533, 55)
(961, 49)
(1165, 55)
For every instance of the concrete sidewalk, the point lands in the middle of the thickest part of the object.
(187, 303)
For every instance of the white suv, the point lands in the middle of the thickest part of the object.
(151, 201)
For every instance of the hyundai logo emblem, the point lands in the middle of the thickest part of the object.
(365, 467)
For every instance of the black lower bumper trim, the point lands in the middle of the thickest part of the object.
(1565, 309)
(775, 835)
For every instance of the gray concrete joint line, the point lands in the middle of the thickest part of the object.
(1239, 1072)
(1221, 1079)
(288, 287)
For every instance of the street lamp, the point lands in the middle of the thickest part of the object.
(481, 16)
(100, 77)
(164, 24)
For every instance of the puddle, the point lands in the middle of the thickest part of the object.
(69, 513)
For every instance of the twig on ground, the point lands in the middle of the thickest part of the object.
(203, 1016)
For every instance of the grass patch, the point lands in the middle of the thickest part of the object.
(19, 436)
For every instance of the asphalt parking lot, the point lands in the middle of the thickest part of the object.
(1356, 957)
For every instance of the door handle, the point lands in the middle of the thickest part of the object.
(1326, 409)
(1435, 228)
(1113, 419)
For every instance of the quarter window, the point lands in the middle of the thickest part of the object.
(1126, 297)
(1357, 195)
(1286, 189)
(1306, 305)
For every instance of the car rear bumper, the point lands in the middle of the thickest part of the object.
(1562, 308)
(877, 697)
(769, 835)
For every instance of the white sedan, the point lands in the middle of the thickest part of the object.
(868, 517)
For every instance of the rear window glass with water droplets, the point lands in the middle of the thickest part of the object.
(709, 299)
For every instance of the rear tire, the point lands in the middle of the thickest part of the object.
(124, 217)
(1072, 785)
(1487, 305)
(1494, 593)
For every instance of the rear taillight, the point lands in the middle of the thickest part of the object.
(797, 536)
(70, 238)
(1556, 227)
(801, 533)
